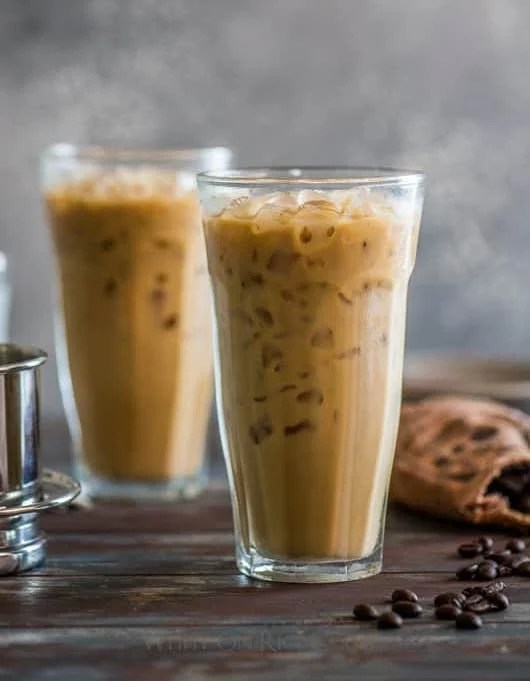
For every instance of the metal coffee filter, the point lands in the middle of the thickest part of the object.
(25, 489)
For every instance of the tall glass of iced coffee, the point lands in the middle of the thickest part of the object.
(310, 269)
(133, 317)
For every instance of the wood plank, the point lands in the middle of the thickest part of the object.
(211, 512)
(257, 653)
(149, 593)
(231, 599)
(139, 554)
(213, 553)
(196, 538)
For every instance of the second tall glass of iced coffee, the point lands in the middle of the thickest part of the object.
(133, 315)
(310, 269)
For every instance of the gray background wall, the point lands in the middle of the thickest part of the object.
(433, 84)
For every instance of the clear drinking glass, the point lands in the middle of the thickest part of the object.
(133, 324)
(310, 268)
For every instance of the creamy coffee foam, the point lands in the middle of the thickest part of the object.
(125, 183)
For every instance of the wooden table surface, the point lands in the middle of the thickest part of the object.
(154, 594)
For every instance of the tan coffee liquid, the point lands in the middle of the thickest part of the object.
(135, 305)
(310, 298)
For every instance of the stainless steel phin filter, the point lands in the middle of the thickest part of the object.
(25, 490)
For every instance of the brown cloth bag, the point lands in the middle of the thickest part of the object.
(465, 459)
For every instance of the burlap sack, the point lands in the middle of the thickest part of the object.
(465, 459)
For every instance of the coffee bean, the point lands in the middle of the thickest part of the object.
(486, 599)
(500, 557)
(486, 572)
(449, 597)
(485, 542)
(473, 599)
(499, 601)
(523, 569)
(477, 604)
(470, 590)
(389, 620)
(489, 562)
(468, 572)
(516, 559)
(505, 571)
(469, 550)
(447, 611)
(494, 587)
(404, 595)
(365, 612)
(407, 609)
(468, 620)
(516, 546)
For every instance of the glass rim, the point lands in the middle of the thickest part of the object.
(310, 176)
(65, 151)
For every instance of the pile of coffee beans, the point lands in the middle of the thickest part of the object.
(464, 608)
(490, 563)
(404, 606)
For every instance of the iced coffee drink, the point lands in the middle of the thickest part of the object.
(310, 294)
(135, 332)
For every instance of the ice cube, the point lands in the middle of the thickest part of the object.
(357, 202)
(310, 197)
(244, 207)
(342, 198)
(270, 217)
(315, 224)
(285, 200)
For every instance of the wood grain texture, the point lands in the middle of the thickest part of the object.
(290, 652)
(153, 594)
(216, 600)
(211, 553)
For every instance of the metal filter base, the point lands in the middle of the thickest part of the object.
(22, 543)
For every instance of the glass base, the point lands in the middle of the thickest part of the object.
(308, 571)
(146, 492)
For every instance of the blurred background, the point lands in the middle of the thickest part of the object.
(438, 85)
